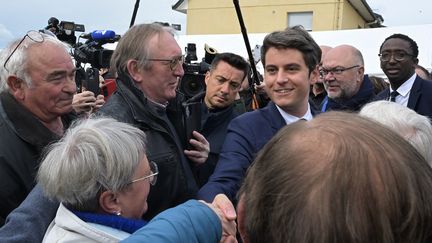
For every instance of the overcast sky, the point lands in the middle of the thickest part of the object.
(19, 16)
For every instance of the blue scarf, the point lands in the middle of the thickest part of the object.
(113, 221)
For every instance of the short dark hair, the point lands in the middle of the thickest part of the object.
(367, 185)
(233, 60)
(412, 43)
(296, 38)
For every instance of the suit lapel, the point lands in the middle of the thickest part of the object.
(272, 115)
(415, 93)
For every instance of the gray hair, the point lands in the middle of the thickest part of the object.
(95, 154)
(414, 127)
(18, 63)
(134, 45)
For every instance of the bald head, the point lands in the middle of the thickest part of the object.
(343, 71)
(344, 54)
(324, 50)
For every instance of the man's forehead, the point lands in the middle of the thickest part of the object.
(164, 44)
(279, 53)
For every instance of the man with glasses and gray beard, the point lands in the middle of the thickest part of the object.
(36, 90)
(398, 57)
(344, 80)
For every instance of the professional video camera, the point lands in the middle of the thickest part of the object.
(91, 52)
(192, 82)
(64, 30)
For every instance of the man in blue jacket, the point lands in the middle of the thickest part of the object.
(290, 60)
(398, 57)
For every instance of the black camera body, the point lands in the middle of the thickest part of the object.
(193, 81)
(91, 52)
(64, 30)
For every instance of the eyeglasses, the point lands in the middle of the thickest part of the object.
(335, 71)
(152, 177)
(397, 55)
(33, 35)
(171, 62)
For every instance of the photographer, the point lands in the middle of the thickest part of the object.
(86, 102)
(212, 110)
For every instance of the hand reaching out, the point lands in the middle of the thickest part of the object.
(226, 212)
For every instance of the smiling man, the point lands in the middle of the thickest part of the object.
(398, 57)
(344, 80)
(290, 60)
(37, 87)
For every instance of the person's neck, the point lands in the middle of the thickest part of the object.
(297, 111)
(395, 84)
(54, 125)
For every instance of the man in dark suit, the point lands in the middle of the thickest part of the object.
(398, 56)
(290, 60)
(211, 111)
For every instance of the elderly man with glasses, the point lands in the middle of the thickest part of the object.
(36, 90)
(398, 57)
(343, 73)
(148, 62)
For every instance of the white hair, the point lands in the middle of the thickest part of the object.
(17, 63)
(95, 154)
(415, 128)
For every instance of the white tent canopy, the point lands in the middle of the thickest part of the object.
(367, 41)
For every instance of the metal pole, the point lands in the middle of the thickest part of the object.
(134, 13)
(246, 40)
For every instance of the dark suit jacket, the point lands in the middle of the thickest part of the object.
(246, 135)
(420, 98)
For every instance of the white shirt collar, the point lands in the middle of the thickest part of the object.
(404, 91)
(290, 118)
(405, 88)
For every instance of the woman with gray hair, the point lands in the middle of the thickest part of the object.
(100, 173)
(415, 128)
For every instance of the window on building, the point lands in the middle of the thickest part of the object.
(300, 18)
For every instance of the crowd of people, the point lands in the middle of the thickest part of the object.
(335, 156)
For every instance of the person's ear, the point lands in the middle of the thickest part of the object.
(241, 213)
(361, 73)
(315, 80)
(108, 202)
(207, 77)
(134, 70)
(314, 75)
(17, 87)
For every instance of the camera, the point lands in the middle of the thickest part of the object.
(91, 52)
(193, 82)
(64, 30)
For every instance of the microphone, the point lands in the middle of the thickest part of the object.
(98, 35)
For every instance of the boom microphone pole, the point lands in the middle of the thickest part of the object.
(246, 40)
(249, 51)
(134, 13)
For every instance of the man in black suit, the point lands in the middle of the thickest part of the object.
(398, 56)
